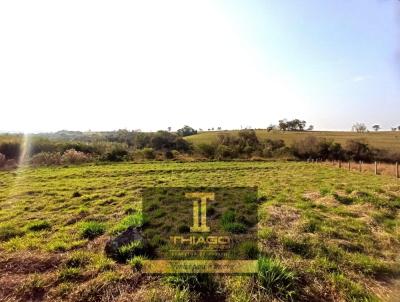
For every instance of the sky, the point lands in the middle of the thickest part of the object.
(149, 65)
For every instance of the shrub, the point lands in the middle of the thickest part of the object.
(117, 153)
(74, 157)
(186, 131)
(168, 154)
(224, 152)
(359, 150)
(3, 160)
(312, 147)
(11, 149)
(91, 229)
(206, 150)
(148, 153)
(275, 279)
(46, 159)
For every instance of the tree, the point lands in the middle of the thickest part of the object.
(169, 129)
(359, 127)
(394, 129)
(376, 127)
(398, 128)
(310, 128)
(293, 125)
(186, 131)
(359, 150)
(283, 125)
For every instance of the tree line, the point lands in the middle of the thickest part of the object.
(126, 145)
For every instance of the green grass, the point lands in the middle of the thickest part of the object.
(91, 229)
(324, 233)
(276, 279)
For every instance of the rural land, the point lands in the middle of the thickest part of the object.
(328, 223)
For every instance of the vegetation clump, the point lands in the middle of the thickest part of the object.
(91, 229)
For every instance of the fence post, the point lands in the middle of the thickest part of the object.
(376, 168)
(397, 169)
(340, 164)
(360, 166)
(349, 166)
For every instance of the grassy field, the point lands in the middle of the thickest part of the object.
(389, 140)
(325, 234)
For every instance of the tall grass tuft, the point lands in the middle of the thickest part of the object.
(276, 279)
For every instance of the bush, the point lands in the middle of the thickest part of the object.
(275, 279)
(117, 153)
(186, 131)
(270, 146)
(74, 157)
(11, 150)
(3, 160)
(225, 152)
(359, 150)
(148, 153)
(312, 147)
(206, 150)
(46, 159)
(91, 229)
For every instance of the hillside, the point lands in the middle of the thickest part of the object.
(389, 140)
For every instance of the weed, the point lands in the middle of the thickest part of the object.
(137, 262)
(91, 229)
(69, 274)
(276, 279)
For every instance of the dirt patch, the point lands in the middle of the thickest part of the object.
(283, 217)
(28, 263)
(318, 199)
(312, 196)
(98, 244)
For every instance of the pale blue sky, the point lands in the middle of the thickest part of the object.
(104, 65)
(344, 54)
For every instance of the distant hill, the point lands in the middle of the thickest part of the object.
(388, 140)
